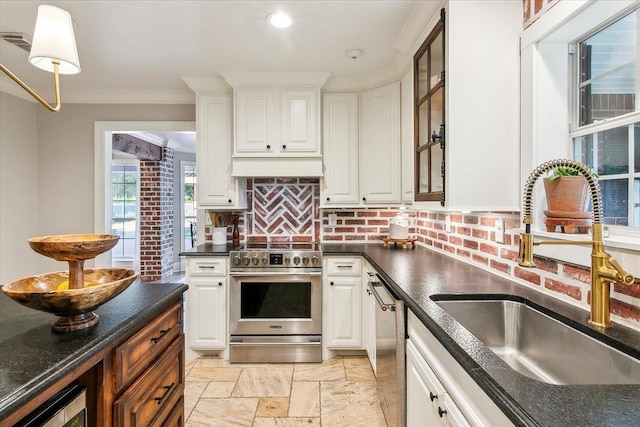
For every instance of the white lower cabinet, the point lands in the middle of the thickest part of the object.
(439, 390)
(343, 302)
(207, 303)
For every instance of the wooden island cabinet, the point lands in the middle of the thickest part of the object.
(135, 379)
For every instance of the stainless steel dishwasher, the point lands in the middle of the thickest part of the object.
(390, 332)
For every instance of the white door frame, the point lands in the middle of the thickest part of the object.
(102, 147)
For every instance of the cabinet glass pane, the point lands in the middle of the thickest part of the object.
(436, 163)
(423, 129)
(422, 76)
(436, 111)
(423, 177)
(436, 61)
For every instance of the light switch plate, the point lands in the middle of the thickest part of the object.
(333, 220)
(447, 224)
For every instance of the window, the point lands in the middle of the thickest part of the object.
(607, 135)
(429, 78)
(124, 182)
(189, 179)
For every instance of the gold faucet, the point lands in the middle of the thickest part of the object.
(604, 269)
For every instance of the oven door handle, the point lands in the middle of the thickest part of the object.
(274, 273)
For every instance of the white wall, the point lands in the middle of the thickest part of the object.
(18, 187)
(65, 172)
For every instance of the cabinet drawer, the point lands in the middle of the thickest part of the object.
(344, 266)
(158, 388)
(135, 354)
(207, 266)
(174, 419)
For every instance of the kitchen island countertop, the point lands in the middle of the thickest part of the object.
(32, 358)
(417, 274)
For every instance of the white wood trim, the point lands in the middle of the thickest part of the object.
(315, 79)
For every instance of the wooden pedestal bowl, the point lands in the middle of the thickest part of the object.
(73, 305)
(75, 249)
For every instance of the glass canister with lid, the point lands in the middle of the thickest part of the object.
(399, 225)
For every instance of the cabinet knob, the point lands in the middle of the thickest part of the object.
(219, 283)
(331, 283)
(441, 411)
(328, 198)
(268, 147)
(364, 199)
(432, 396)
(284, 146)
(230, 201)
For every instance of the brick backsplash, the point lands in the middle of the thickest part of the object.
(472, 238)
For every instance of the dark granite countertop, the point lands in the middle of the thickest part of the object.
(32, 358)
(207, 249)
(416, 275)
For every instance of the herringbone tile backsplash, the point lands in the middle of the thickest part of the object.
(283, 209)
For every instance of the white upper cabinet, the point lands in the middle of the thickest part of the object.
(255, 120)
(299, 119)
(340, 148)
(408, 148)
(216, 187)
(380, 145)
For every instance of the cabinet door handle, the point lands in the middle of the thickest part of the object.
(167, 389)
(369, 293)
(431, 395)
(441, 411)
(163, 332)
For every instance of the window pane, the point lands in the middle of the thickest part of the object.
(436, 111)
(117, 209)
(636, 147)
(436, 61)
(615, 201)
(129, 192)
(118, 192)
(436, 164)
(423, 181)
(607, 152)
(129, 231)
(608, 61)
(117, 227)
(636, 202)
(422, 75)
(130, 209)
(130, 177)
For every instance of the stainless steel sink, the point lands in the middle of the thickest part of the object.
(541, 347)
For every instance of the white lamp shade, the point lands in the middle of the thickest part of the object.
(53, 39)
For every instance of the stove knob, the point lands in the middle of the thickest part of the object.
(265, 260)
(287, 260)
(255, 260)
(305, 260)
(237, 260)
(296, 260)
(314, 260)
(246, 260)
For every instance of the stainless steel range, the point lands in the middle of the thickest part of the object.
(275, 312)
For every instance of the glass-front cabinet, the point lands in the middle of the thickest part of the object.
(429, 89)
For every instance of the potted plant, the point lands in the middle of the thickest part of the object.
(567, 194)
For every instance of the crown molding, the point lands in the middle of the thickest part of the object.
(129, 97)
(421, 21)
(207, 84)
(316, 79)
(376, 78)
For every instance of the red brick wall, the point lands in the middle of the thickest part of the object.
(156, 218)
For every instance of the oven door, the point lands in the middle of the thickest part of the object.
(267, 303)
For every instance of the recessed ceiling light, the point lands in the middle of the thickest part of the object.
(280, 19)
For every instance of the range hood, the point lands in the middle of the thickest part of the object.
(269, 167)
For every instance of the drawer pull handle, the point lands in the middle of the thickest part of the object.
(432, 396)
(167, 389)
(163, 332)
(441, 411)
(342, 267)
(207, 267)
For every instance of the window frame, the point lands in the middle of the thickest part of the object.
(136, 163)
(623, 120)
(183, 165)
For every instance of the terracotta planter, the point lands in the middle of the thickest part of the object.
(567, 197)
(567, 202)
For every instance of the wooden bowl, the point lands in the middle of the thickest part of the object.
(73, 247)
(74, 305)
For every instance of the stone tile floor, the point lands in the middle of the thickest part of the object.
(335, 393)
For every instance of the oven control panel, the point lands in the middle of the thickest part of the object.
(290, 259)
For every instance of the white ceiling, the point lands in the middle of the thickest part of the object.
(145, 48)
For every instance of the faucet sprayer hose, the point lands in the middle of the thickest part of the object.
(594, 187)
